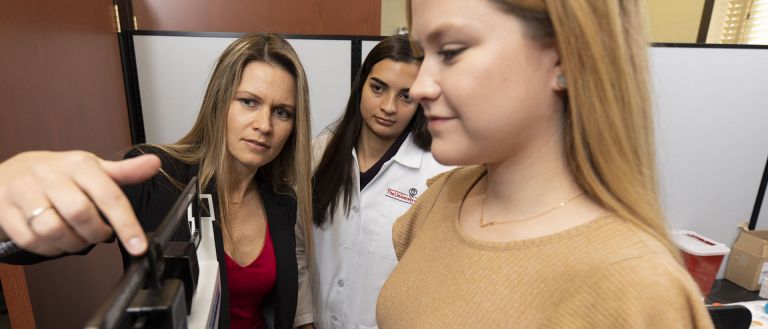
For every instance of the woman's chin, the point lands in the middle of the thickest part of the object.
(450, 157)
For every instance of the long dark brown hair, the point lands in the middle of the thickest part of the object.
(335, 175)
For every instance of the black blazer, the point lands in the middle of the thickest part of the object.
(152, 199)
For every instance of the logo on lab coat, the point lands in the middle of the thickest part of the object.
(408, 198)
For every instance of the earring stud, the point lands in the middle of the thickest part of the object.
(562, 82)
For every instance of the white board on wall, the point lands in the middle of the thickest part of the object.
(711, 114)
(365, 48)
(174, 71)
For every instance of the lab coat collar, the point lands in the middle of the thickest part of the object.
(409, 154)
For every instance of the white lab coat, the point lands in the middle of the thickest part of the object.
(354, 254)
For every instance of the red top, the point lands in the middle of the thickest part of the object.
(248, 285)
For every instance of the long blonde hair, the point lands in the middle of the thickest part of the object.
(205, 143)
(608, 135)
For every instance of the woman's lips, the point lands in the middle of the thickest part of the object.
(384, 122)
(434, 123)
(256, 144)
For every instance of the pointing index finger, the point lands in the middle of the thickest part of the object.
(111, 201)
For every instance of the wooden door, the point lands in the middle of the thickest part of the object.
(61, 87)
(327, 17)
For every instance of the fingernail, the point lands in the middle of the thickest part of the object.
(137, 245)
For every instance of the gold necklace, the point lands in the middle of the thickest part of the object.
(244, 196)
(484, 224)
(241, 199)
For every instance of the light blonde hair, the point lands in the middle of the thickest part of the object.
(206, 143)
(608, 135)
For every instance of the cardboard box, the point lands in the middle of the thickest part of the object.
(702, 257)
(748, 262)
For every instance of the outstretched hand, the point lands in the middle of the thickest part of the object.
(50, 201)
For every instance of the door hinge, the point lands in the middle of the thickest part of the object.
(117, 19)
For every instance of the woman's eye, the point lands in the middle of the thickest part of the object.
(377, 88)
(283, 113)
(448, 54)
(406, 96)
(247, 102)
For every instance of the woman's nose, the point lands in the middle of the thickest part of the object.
(388, 104)
(425, 88)
(262, 121)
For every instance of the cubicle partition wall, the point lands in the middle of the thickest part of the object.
(711, 112)
(366, 47)
(173, 71)
(710, 103)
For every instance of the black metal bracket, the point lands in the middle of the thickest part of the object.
(157, 288)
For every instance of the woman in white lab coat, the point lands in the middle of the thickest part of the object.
(371, 166)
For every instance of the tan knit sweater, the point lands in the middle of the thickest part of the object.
(603, 274)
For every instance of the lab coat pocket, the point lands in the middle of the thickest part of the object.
(382, 244)
(366, 327)
(342, 232)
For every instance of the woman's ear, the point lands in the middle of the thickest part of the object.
(560, 81)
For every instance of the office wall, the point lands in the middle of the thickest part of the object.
(282, 16)
(392, 16)
(670, 20)
(675, 20)
(365, 47)
(61, 88)
(711, 136)
(174, 71)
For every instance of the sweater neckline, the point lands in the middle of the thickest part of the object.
(570, 233)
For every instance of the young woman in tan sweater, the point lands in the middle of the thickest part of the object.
(555, 221)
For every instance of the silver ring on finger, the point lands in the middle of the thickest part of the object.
(36, 213)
